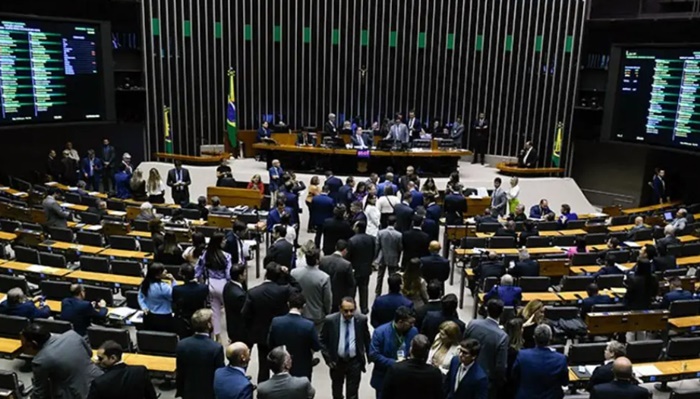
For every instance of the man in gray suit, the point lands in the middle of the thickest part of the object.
(499, 200)
(62, 366)
(493, 357)
(457, 132)
(316, 287)
(55, 215)
(282, 385)
(399, 131)
(389, 247)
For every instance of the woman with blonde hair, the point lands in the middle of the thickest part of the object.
(445, 346)
(532, 315)
(513, 194)
(314, 190)
(414, 286)
(155, 187)
(514, 329)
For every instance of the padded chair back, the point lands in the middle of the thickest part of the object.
(98, 336)
(472, 242)
(547, 226)
(55, 326)
(576, 224)
(488, 227)
(53, 260)
(9, 226)
(689, 307)
(537, 242)
(620, 220)
(585, 258)
(11, 326)
(558, 348)
(9, 282)
(27, 255)
(534, 284)
(60, 234)
(561, 312)
(691, 249)
(564, 241)
(610, 280)
(645, 351)
(683, 348)
(675, 272)
(96, 264)
(55, 290)
(90, 201)
(642, 235)
(90, 218)
(173, 269)
(147, 245)
(575, 283)
(596, 239)
(675, 250)
(157, 343)
(207, 231)
(90, 238)
(620, 235)
(123, 242)
(611, 307)
(95, 294)
(73, 198)
(191, 214)
(140, 225)
(132, 300)
(10, 382)
(501, 242)
(32, 226)
(589, 353)
(489, 282)
(116, 205)
(621, 256)
(127, 268)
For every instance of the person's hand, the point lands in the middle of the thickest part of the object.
(102, 303)
(530, 321)
(284, 269)
(145, 311)
(36, 298)
(169, 277)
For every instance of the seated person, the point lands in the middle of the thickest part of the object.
(507, 231)
(540, 210)
(528, 231)
(223, 170)
(675, 293)
(487, 217)
(216, 206)
(100, 210)
(82, 189)
(147, 213)
(17, 304)
(492, 266)
(202, 207)
(681, 220)
(609, 267)
(664, 261)
(511, 296)
(169, 252)
(579, 248)
(594, 298)
(306, 139)
(638, 226)
(525, 267)
(360, 140)
(566, 216)
(604, 374)
(613, 244)
(256, 184)
(669, 237)
(518, 214)
(264, 132)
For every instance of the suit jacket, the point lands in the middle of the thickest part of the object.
(80, 313)
(384, 308)
(172, 179)
(493, 357)
(668, 240)
(511, 296)
(330, 129)
(263, 303)
(499, 201)
(233, 246)
(321, 209)
(234, 298)
(284, 386)
(503, 232)
(404, 216)
(381, 186)
(275, 174)
(416, 199)
(677, 295)
(455, 206)
(63, 368)
(457, 132)
(489, 268)
(310, 140)
(435, 266)
(334, 185)
(526, 268)
(316, 287)
(474, 384)
(659, 189)
(345, 195)
(528, 159)
(588, 303)
(360, 141)
(231, 383)
(122, 381)
(413, 378)
(434, 212)
(536, 212)
(415, 245)
(399, 133)
(383, 350)
(198, 358)
(188, 298)
(55, 215)
(281, 252)
(341, 275)
(330, 337)
(300, 337)
(97, 166)
(415, 128)
(25, 309)
(540, 373)
(361, 251)
(522, 240)
(433, 305)
(601, 375)
(619, 390)
(274, 217)
(432, 320)
(389, 247)
(431, 228)
(263, 134)
(332, 230)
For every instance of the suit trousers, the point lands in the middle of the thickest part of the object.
(107, 180)
(181, 197)
(480, 146)
(363, 289)
(310, 226)
(263, 365)
(380, 277)
(348, 372)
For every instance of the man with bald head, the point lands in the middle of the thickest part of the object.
(434, 266)
(231, 382)
(623, 387)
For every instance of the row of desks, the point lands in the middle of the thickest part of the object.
(670, 370)
(78, 276)
(91, 250)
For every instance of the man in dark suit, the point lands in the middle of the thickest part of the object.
(669, 237)
(281, 251)
(297, 334)
(594, 298)
(55, 215)
(361, 251)
(340, 271)
(109, 155)
(447, 312)
(487, 217)
(345, 195)
(675, 293)
(234, 242)
(404, 213)
(275, 172)
(622, 387)
(119, 380)
(415, 127)
(384, 307)
(432, 210)
(179, 182)
(540, 210)
(434, 304)
(415, 242)
(466, 379)
(234, 298)
(80, 312)
(416, 196)
(345, 342)
(187, 299)
(455, 206)
(321, 208)
(334, 229)
(541, 372)
(480, 139)
(53, 166)
(528, 156)
(664, 261)
(529, 230)
(263, 303)
(492, 266)
(333, 184)
(389, 248)
(231, 382)
(17, 304)
(414, 377)
(604, 374)
(91, 170)
(525, 266)
(275, 216)
(360, 140)
(263, 132)
(428, 226)
(434, 266)
(507, 231)
(198, 358)
(330, 129)
(306, 139)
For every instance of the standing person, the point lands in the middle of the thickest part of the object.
(540, 372)
(108, 160)
(512, 194)
(55, 215)
(119, 380)
(404, 213)
(320, 208)
(466, 379)
(658, 185)
(263, 132)
(330, 129)
(448, 312)
(72, 152)
(316, 287)
(281, 251)
(388, 182)
(340, 272)
(384, 307)
(61, 363)
(386, 204)
(313, 191)
(432, 210)
(457, 132)
(80, 312)
(415, 242)
(494, 345)
(434, 303)
(373, 215)
(455, 206)
(528, 156)
(156, 299)
(214, 268)
(414, 286)
(223, 172)
(137, 185)
(234, 243)
(69, 169)
(179, 181)
(334, 184)
(414, 377)
(415, 127)
(231, 382)
(91, 169)
(481, 137)
(434, 266)
(194, 251)
(361, 250)
(514, 330)
(345, 343)
(499, 199)
(390, 344)
(125, 165)
(345, 195)
(187, 299)
(445, 346)
(389, 248)
(283, 385)
(155, 187)
(623, 387)
(333, 230)
(297, 334)
(234, 299)
(197, 359)
(275, 173)
(399, 131)
(53, 167)
(169, 252)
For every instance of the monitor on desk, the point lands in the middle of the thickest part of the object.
(385, 144)
(334, 142)
(446, 144)
(668, 216)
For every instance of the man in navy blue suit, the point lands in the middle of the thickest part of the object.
(404, 213)
(448, 312)
(360, 140)
(384, 307)
(264, 132)
(540, 372)
(91, 169)
(333, 184)
(345, 196)
(594, 298)
(434, 266)
(675, 293)
(81, 312)
(388, 182)
(466, 379)
(275, 216)
(297, 334)
(525, 266)
(455, 206)
(540, 210)
(17, 304)
(321, 208)
(197, 359)
(433, 210)
(622, 387)
(506, 292)
(416, 195)
(276, 173)
(428, 225)
(231, 382)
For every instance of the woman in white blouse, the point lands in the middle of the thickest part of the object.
(373, 216)
(155, 187)
(445, 346)
(513, 194)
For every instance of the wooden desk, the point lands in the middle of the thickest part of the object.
(66, 246)
(477, 206)
(13, 192)
(4, 236)
(142, 234)
(513, 169)
(554, 267)
(511, 251)
(571, 232)
(10, 347)
(236, 196)
(74, 207)
(650, 208)
(193, 160)
(83, 226)
(34, 269)
(104, 278)
(685, 322)
(604, 323)
(158, 364)
(576, 295)
(623, 227)
(121, 253)
(531, 296)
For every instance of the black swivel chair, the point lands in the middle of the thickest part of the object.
(10, 382)
(123, 242)
(586, 258)
(588, 353)
(99, 335)
(90, 218)
(472, 242)
(157, 343)
(575, 283)
(610, 281)
(95, 264)
(95, 294)
(564, 241)
(60, 234)
(534, 284)
(645, 351)
(55, 326)
(690, 307)
(90, 238)
(488, 227)
(11, 326)
(9, 282)
(501, 242)
(27, 255)
(537, 242)
(127, 268)
(55, 290)
(53, 260)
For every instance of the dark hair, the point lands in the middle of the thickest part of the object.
(361, 187)
(341, 245)
(651, 251)
(566, 208)
(614, 242)
(391, 220)
(236, 271)
(494, 308)
(272, 271)
(434, 289)
(276, 359)
(528, 225)
(581, 243)
(404, 313)
(662, 250)
(36, 333)
(111, 348)
(152, 276)
(214, 256)
(76, 289)
(187, 272)
(170, 243)
(199, 242)
(420, 347)
(349, 180)
(296, 300)
(312, 256)
(395, 281)
(388, 190)
(472, 346)
(361, 226)
(339, 212)
(280, 230)
(592, 289)
(498, 179)
(279, 202)
(238, 226)
(154, 225)
(449, 305)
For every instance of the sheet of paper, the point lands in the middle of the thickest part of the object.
(646, 370)
(590, 369)
(94, 227)
(482, 192)
(631, 244)
(622, 267)
(118, 213)
(19, 194)
(36, 268)
(122, 312)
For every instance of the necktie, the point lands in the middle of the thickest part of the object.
(460, 375)
(347, 338)
(241, 256)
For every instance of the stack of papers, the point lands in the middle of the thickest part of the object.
(645, 371)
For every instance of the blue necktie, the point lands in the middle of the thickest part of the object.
(347, 339)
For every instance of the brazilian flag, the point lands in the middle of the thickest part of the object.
(556, 152)
(231, 125)
(166, 128)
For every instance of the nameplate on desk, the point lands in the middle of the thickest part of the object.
(363, 154)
